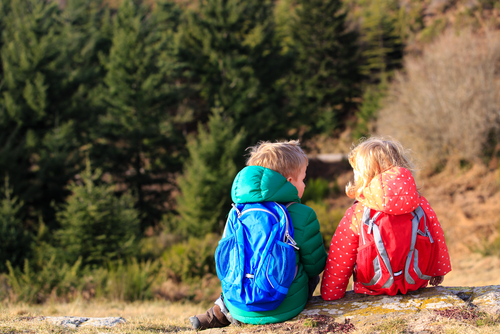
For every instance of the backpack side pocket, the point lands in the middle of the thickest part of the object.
(227, 260)
(278, 272)
(422, 258)
(366, 272)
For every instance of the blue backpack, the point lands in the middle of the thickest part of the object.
(255, 258)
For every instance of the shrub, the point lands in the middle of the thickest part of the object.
(448, 100)
(192, 259)
(51, 281)
(316, 190)
(96, 225)
(13, 236)
(129, 281)
(328, 219)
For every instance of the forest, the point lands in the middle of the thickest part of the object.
(123, 123)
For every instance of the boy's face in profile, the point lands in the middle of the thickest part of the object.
(298, 181)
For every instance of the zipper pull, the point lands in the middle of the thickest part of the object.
(291, 242)
(237, 211)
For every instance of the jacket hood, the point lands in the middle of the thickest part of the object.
(393, 192)
(259, 184)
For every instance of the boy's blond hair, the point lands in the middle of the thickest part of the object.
(374, 156)
(286, 158)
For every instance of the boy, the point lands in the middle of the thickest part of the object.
(276, 172)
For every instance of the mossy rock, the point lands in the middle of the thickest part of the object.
(364, 309)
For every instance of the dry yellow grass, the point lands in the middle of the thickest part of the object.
(141, 317)
(165, 317)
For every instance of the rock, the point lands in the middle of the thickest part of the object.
(74, 322)
(364, 309)
(487, 299)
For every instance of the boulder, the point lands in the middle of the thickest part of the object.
(365, 309)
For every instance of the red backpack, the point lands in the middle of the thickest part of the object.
(396, 253)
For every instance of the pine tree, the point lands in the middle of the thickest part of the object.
(139, 140)
(14, 239)
(231, 56)
(206, 182)
(326, 74)
(87, 33)
(97, 225)
(36, 133)
(382, 43)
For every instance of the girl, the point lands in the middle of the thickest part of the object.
(390, 237)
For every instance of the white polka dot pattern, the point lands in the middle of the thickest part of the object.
(392, 190)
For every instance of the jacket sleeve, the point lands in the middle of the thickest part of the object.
(443, 265)
(312, 252)
(341, 257)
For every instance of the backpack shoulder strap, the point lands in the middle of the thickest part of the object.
(369, 221)
(419, 213)
(287, 237)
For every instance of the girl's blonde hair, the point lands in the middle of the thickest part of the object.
(286, 158)
(374, 156)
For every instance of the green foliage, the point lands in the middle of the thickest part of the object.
(328, 219)
(13, 237)
(32, 96)
(139, 139)
(206, 183)
(50, 66)
(369, 108)
(284, 16)
(127, 281)
(96, 225)
(232, 58)
(383, 45)
(316, 190)
(192, 259)
(50, 280)
(326, 73)
(433, 30)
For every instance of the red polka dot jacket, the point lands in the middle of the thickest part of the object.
(392, 192)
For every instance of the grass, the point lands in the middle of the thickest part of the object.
(141, 317)
(166, 317)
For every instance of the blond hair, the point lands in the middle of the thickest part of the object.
(373, 156)
(286, 158)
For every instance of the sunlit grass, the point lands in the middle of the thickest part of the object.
(167, 317)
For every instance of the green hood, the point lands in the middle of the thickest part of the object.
(259, 184)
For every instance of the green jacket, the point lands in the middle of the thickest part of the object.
(260, 184)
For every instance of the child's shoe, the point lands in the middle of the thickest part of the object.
(213, 318)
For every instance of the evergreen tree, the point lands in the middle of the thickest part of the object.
(87, 33)
(139, 140)
(231, 56)
(206, 182)
(96, 225)
(36, 131)
(326, 74)
(382, 43)
(14, 239)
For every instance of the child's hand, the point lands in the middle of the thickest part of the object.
(436, 280)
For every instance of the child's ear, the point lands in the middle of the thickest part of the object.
(289, 179)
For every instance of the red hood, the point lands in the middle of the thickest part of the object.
(393, 192)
